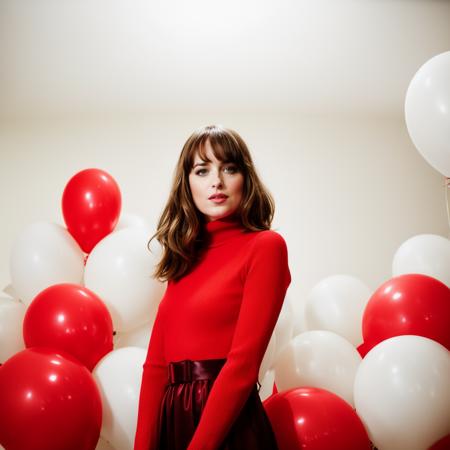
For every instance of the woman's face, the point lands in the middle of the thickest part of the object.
(215, 177)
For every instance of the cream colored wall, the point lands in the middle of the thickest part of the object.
(348, 190)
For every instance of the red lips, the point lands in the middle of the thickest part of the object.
(218, 196)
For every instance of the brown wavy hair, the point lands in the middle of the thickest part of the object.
(180, 228)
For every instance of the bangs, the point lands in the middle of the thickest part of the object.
(224, 147)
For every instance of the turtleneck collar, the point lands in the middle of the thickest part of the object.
(220, 231)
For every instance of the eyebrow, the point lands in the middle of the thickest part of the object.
(206, 163)
(199, 164)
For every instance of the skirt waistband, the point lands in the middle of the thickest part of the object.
(188, 370)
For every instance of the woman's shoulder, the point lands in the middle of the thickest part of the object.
(269, 236)
(267, 247)
(268, 239)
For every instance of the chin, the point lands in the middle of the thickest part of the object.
(217, 215)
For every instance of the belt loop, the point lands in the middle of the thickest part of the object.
(187, 370)
(170, 374)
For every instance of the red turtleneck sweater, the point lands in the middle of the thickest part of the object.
(226, 307)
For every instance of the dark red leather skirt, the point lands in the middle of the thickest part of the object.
(183, 402)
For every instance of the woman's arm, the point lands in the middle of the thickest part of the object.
(267, 280)
(154, 380)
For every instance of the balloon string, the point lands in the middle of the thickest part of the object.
(447, 187)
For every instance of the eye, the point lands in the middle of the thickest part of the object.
(232, 168)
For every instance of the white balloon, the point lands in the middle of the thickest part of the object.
(427, 111)
(131, 220)
(269, 356)
(337, 304)
(118, 376)
(12, 313)
(119, 271)
(284, 328)
(9, 290)
(267, 385)
(320, 359)
(428, 254)
(139, 337)
(299, 317)
(42, 255)
(402, 393)
(103, 444)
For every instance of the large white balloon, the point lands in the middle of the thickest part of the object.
(299, 317)
(267, 385)
(402, 393)
(118, 376)
(11, 292)
(428, 254)
(12, 313)
(42, 255)
(269, 356)
(119, 271)
(320, 359)
(284, 328)
(337, 304)
(427, 111)
(103, 444)
(139, 337)
(131, 220)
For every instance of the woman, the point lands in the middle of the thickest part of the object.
(227, 276)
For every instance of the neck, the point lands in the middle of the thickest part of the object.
(223, 230)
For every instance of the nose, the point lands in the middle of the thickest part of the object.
(216, 181)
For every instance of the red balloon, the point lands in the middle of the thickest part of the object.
(275, 389)
(70, 318)
(49, 401)
(408, 304)
(362, 349)
(309, 418)
(91, 205)
(441, 444)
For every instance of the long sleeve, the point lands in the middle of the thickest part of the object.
(154, 379)
(267, 278)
